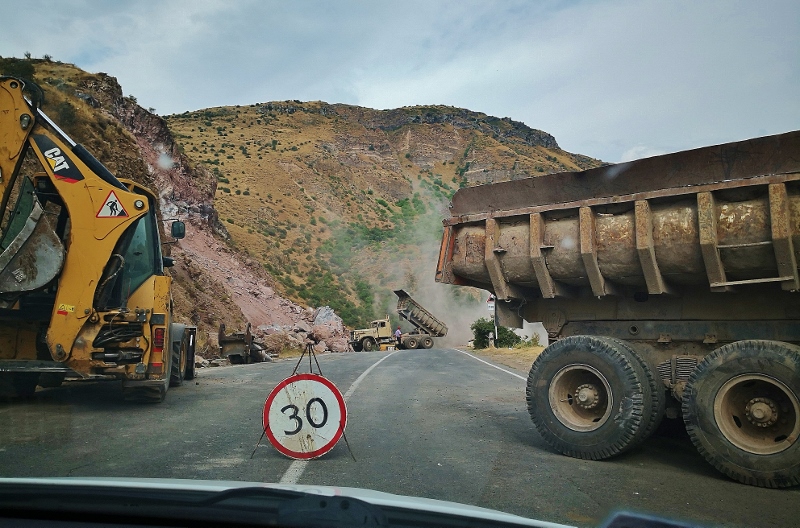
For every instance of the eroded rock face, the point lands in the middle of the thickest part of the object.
(326, 316)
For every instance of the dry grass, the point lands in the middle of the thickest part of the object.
(517, 358)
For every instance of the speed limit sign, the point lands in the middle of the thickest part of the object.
(304, 416)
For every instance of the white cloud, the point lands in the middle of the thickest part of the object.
(607, 79)
(639, 152)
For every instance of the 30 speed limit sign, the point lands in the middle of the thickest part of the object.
(304, 416)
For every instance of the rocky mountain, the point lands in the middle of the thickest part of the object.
(296, 205)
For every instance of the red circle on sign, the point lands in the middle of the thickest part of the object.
(328, 445)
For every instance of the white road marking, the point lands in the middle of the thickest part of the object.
(523, 378)
(297, 467)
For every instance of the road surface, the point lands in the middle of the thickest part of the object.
(432, 423)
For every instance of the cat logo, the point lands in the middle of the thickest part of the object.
(62, 166)
(112, 207)
(57, 161)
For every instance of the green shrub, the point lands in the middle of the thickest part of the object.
(483, 327)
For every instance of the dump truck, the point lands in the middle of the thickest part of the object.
(380, 333)
(83, 287)
(667, 285)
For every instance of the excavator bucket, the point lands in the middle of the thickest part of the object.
(32, 254)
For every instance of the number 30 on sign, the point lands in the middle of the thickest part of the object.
(304, 416)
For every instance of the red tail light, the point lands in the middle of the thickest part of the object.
(158, 339)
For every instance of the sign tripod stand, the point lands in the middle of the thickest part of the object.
(305, 414)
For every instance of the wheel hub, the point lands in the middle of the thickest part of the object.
(758, 414)
(580, 397)
(587, 396)
(761, 412)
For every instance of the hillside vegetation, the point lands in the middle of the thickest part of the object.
(342, 204)
(327, 204)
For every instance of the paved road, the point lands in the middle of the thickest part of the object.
(435, 423)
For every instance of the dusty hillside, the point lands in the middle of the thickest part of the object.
(342, 204)
(295, 205)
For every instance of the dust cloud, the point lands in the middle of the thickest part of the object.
(457, 306)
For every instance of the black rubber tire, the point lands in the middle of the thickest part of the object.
(357, 347)
(427, 342)
(654, 407)
(706, 411)
(411, 343)
(622, 421)
(368, 344)
(177, 367)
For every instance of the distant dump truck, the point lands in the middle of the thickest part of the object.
(381, 335)
(673, 275)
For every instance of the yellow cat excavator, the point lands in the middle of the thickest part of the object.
(83, 291)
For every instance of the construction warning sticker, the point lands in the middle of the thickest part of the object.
(112, 207)
(64, 309)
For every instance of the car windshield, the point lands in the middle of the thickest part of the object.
(534, 257)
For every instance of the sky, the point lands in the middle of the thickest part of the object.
(612, 79)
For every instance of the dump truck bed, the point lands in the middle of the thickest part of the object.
(719, 217)
(414, 313)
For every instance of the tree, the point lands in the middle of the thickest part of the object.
(483, 327)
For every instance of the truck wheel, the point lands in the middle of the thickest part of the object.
(653, 412)
(369, 344)
(411, 343)
(427, 342)
(741, 407)
(586, 398)
(357, 346)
